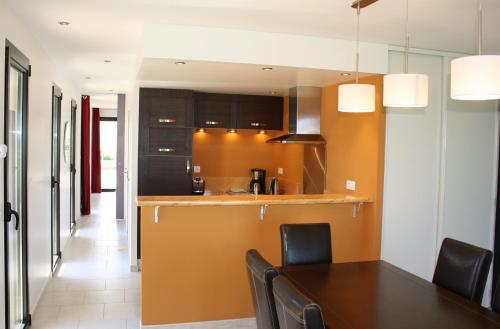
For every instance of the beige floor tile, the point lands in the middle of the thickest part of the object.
(126, 311)
(82, 312)
(105, 296)
(103, 324)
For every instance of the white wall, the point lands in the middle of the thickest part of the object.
(440, 172)
(252, 47)
(44, 73)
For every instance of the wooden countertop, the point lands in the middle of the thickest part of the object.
(247, 200)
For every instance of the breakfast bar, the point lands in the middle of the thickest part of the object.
(208, 279)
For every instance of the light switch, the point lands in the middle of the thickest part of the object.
(350, 185)
(197, 169)
(280, 171)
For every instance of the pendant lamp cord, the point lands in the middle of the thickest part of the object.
(357, 42)
(407, 40)
(479, 27)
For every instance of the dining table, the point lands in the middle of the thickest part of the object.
(379, 295)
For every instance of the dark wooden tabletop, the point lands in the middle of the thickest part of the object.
(376, 295)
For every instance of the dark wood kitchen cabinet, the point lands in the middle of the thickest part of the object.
(215, 110)
(166, 175)
(165, 141)
(238, 111)
(259, 112)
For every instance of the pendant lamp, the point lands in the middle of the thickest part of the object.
(476, 77)
(357, 97)
(406, 89)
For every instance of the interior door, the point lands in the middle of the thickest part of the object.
(15, 189)
(72, 165)
(56, 175)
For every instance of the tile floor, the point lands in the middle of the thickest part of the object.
(93, 287)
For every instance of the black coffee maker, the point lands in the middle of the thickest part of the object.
(258, 182)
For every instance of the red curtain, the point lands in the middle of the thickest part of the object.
(96, 151)
(85, 203)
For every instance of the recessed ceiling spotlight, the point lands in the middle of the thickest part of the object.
(180, 63)
(107, 61)
(267, 69)
(231, 131)
(273, 92)
(345, 74)
(63, 23)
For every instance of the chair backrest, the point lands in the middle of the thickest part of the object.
(261, 280)
(495, 301)
(295, 311)
(463, 269)
(303, 244)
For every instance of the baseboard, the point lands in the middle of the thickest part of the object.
(245, 323)
(136, 267)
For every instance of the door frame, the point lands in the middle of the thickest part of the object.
(115, 119)
(72, 169)
(14, 56)
(56, 93)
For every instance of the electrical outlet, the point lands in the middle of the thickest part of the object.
(280, 171)
(197, 169)
(350, 185)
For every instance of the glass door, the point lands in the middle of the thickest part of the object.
(72, 159)
(56, 174)
(15, 188)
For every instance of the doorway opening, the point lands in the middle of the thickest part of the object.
(15, 188)
(108, 143)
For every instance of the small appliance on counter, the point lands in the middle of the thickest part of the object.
(258, 182)
(274, 186)
(198, 186)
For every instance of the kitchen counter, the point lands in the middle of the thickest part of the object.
(193, 247)
(248, 200)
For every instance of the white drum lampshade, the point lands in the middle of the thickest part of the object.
(475, 77)
(357, 98)
(406, 90)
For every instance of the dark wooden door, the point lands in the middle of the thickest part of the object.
(260, 112)
(215, 111)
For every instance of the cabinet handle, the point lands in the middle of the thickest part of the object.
(212, 123)
(188, 166)
(166, 149)
(258, 124)
(167, 120)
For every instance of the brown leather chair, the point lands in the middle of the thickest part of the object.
(295, 311)
(304, 244)
(463, 269)
(261, 280)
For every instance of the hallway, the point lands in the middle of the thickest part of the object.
(93, 287)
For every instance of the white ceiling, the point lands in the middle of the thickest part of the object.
(233, 78)
(112, 29)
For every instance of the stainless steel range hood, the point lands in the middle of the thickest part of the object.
(304, 117)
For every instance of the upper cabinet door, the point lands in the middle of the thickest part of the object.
(260, 112)
(214, 111)
(166, 107)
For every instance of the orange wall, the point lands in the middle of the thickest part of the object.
(193, 260)
(231, 156)
(355, 151)
(223, 154)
